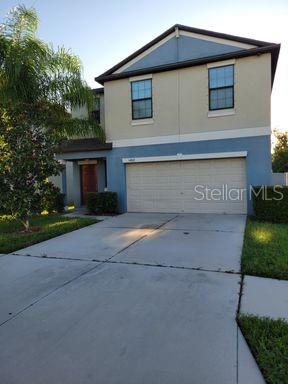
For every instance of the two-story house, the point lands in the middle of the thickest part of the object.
(187, 122)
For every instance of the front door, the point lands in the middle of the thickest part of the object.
(88, 180)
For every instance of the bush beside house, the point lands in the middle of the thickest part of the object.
(102, 202)
(269, 206)
(53, 199)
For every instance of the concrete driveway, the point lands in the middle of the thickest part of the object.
(139, 298)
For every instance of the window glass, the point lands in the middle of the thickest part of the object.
(221, 87)
(141, 95)
(221, 98)
(221, 77)
(142, 109)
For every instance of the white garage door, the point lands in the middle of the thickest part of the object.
(191, 186)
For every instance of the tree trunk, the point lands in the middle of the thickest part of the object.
(26, 223)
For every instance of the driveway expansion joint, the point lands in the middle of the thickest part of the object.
(198, 230)
(240, 293)
(241, 283)
(228, 272)
(54, 257)
(237, 353)
(110, 261)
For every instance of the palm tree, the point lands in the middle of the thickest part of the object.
(36, 77)
(39, 86)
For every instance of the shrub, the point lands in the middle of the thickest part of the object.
(102, 202)
(4, 211)
(60, 202)
(92, 201)
(53, 199)
(267, 203)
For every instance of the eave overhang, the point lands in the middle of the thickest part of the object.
(260, 48)
(273, 49)
(83, 145)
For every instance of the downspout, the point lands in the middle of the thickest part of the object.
(177, 35)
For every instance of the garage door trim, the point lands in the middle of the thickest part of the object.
(180, 156)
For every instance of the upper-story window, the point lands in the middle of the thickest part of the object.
(221, 87)
(95, 114)
(141, 96)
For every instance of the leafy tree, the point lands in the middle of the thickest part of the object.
(39, 85)
(280, 154)
(27, 159)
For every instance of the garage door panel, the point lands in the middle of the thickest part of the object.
(170, 186)
(174, 205)
(194, 178)
(168, 194)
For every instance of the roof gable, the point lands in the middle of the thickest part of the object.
(181, 46)
(177, 49)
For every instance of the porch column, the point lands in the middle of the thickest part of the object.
(73, 183)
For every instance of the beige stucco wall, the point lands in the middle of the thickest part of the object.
(180, 102)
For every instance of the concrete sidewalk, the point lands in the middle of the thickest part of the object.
(265, 297)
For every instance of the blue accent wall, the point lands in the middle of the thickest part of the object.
(258, 162)
(181, 49)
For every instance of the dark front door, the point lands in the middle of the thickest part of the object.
(88, 180)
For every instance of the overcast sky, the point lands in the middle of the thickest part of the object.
(104, 32)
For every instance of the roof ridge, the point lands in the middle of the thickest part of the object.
(223, 35)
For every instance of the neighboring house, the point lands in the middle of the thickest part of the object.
(279, 178)
(189, 109)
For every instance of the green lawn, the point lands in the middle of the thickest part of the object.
(11, 238)
(268, 341)
(265, 250)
